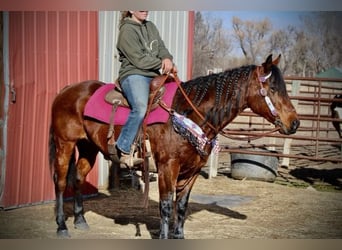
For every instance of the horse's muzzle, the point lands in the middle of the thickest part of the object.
(287, 130)
(294, 126)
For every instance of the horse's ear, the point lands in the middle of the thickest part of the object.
(277, 60)
(267, 64)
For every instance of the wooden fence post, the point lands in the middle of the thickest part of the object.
(287, 141)
(213, 165)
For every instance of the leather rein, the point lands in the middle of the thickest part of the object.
(263, 92)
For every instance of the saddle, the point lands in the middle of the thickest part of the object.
(157, 90)
(117, 98)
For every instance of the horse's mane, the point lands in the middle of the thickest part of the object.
(223, 85)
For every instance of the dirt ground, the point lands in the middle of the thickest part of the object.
(305, 202)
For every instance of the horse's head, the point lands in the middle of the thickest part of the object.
(267, 97)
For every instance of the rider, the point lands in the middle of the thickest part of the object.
(142, 55)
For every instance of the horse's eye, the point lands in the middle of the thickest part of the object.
(272, 89)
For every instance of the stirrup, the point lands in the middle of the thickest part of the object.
(130, 160)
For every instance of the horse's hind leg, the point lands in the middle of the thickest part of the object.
(64, 151)
(86, 160)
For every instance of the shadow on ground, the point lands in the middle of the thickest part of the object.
(312, 176)
(125, 206)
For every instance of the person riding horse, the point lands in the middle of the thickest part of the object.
(142, 55)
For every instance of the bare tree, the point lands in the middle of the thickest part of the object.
(312, 49)
(298, 56)
(323, 31)
(211, 44)
(251, 37)
(306, 50)
(283, 41)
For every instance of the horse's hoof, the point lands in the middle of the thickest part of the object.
(80, 222)
(178, 236)
(63, 234)
(82, 226)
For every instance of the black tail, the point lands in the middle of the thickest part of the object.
(71, 177)
(52, 149)
(52, 157)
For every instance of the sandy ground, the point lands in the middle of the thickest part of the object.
(220, 208)
(304, 202)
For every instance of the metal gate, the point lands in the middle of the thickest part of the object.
(312, 98)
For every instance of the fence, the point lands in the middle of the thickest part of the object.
(312, 98)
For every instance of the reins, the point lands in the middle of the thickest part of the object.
(143, 151)
(192, 105)
(263, 92)
(248, 137)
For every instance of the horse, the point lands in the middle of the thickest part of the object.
(211, 102)
(336, 111)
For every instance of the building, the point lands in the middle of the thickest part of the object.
(43, 52)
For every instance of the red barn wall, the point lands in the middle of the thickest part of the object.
(47, 50)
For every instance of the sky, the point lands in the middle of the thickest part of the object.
(279, 19)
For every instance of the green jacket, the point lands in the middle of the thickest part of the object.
(141, 49)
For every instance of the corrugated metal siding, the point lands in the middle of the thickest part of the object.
(173, 27)
(108, 35)
(108, 67)
(47, 50)
(174, 30)
(3, 98)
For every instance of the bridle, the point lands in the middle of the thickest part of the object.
(263, 92)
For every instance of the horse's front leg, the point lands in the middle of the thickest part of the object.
(167, 174)
(165, 208)
(181, 208)
(181, 205)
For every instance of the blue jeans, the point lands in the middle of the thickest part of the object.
(136, 89)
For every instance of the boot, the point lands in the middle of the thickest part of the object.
(130, 160)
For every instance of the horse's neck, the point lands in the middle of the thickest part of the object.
(220, 97)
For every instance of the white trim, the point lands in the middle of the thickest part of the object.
(3, 152)
(264, 78)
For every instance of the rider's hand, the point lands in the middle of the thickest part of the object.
(167, 66)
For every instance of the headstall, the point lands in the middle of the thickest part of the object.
(263, 92)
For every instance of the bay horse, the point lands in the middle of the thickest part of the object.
(218, 98)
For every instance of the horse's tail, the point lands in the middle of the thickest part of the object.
(71, 176)
(52, 158)
(52, 149)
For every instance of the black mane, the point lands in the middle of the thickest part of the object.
(224, 85)
(276, 78)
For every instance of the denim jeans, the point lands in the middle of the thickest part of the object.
(136, 89)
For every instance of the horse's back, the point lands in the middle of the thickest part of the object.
(78, 90)
(68, 106)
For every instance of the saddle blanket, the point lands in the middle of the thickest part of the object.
(99, 109)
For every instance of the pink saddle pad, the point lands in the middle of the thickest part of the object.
(99, 109)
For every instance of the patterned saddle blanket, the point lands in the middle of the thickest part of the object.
(97, 108)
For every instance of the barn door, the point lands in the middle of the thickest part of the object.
(47, 50)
